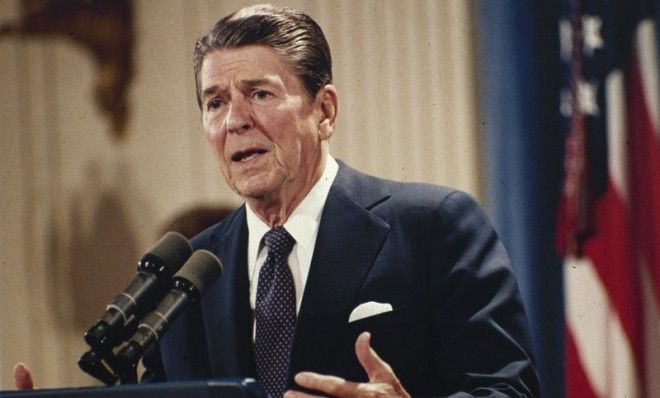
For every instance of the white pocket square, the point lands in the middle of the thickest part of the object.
(368, 309)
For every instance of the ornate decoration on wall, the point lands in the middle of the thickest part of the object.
(103, 27)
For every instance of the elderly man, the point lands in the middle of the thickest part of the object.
(335, 282)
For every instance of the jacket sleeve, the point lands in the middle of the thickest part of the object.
(482, 345)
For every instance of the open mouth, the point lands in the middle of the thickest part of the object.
(249, 154)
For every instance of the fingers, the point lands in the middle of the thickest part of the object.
(299, 394)
(382, 380)
(338, 387)
(377, 369)
(330, 385)
(23, 377)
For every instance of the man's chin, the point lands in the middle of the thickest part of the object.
(255, 189)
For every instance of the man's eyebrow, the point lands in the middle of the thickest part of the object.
(259, 81)
(209, 90)
(246, 83)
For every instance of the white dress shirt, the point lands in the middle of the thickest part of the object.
(302, 225)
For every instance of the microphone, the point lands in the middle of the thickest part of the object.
(189, 285)
(155, 269)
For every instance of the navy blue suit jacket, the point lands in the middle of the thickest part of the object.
(457, 325)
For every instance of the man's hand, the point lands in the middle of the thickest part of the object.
(23, 377)
(382, 380)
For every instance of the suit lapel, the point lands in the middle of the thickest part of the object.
(348, 243)
(227, 313)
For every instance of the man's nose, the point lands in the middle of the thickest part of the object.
(239, 117)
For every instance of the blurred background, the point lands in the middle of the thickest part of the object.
(102, 152)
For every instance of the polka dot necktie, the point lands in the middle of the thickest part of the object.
(275, 313)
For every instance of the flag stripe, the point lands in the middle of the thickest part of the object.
(587, 311)
(616, 133)
(602, 347)
(577, 382)
(644, 139)
(645, 162)
(610, 250)
(646, 50)
(651, 335)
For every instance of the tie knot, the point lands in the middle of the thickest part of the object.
(279, 242)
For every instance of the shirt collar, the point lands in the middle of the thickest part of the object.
(305, 217)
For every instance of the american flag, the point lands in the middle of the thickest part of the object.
(609, 216)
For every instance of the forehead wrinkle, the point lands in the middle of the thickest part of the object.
(269, 79)
(215, 72)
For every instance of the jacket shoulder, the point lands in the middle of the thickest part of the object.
(370, 191)
(409, 195)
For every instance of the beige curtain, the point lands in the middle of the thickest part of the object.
(78, 207)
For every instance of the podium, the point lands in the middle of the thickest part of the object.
(221, 388)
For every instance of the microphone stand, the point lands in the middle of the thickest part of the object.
(100, 361)
(109, 368)
(119, 322)
(91, 362)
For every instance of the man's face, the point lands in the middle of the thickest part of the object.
(264, 129)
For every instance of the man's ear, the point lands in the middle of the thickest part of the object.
(328, 105)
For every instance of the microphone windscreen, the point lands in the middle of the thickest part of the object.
(171, 251)
(201, 269)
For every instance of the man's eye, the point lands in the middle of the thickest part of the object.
(214, 104)
(261, 94)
